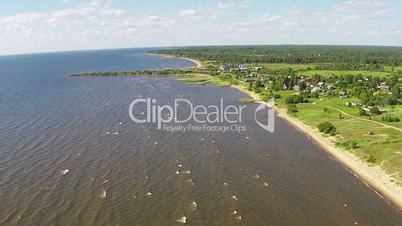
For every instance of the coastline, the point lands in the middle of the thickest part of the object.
(373, 177)
(198, 63)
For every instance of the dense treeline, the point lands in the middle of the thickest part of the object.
(348, 57)
(132, 73)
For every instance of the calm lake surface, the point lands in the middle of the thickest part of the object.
(50, 122)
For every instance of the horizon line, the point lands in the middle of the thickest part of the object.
(193, 46)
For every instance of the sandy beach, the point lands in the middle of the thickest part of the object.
(373, 177)
(198, 63)
(194, 61)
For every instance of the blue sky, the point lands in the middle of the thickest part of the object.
(56, 25)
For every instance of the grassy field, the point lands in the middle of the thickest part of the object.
(303, 69)
(384, 145)
(396, 69)
(287, 66)
(341, 105)
(199, 79)
(338, 73)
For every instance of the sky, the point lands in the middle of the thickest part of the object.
(28, 26)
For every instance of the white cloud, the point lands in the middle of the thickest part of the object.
(351, 18)
(201, 13)
(22, 18)
(269, 18)
(100, 24)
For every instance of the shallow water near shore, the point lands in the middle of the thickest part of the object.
(70, 155)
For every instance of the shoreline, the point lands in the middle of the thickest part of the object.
(198, 63)
(373, 177)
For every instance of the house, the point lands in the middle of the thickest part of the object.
(296, 87)
(233, 69)
(331, 87)
(250, 79)
(321, 84)
(343, 95)
(383, 87)
(243, 67)
(257, 68)
(354, 104)
(382, 109)
(224, 67)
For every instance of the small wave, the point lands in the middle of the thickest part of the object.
(103, 194)
(182, 220)
(194, 205)
(64, 172)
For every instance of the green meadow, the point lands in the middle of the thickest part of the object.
(200, 79)
(340, 73)
(385, 145)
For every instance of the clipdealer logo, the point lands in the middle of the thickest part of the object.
(209, 118)
(269, 124)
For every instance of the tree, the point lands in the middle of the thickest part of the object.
(294, 99)
(362, 112)
(396, 92)
(353, 144)
(371, 159)
(327, 128)
(302, 85)
(250, 86)
(375, 111)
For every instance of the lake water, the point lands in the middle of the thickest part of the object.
(51, 122)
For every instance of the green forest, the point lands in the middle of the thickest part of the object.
(338, 57)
